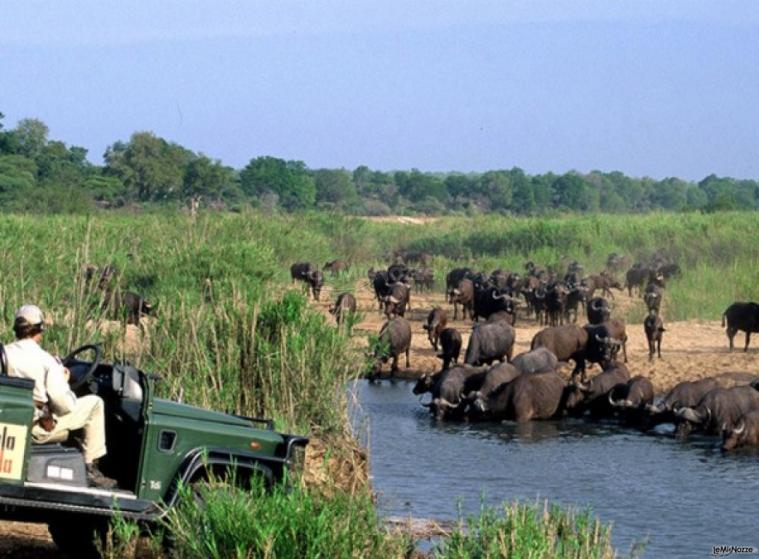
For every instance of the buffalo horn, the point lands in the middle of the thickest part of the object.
(738, 429)
(613, 402)
(689, 414)
(393, 300)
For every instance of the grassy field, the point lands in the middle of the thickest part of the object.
(231, 334)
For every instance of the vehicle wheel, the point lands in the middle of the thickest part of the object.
(79, 537)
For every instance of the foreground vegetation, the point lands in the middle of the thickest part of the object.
(41, 175)
(231, 334)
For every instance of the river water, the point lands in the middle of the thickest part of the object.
(684, 497)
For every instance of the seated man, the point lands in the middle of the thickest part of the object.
(58, 410)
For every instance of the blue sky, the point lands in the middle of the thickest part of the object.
(646, 87)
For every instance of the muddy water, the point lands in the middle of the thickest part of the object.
(684, 497)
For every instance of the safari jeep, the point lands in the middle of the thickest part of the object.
(154, 445)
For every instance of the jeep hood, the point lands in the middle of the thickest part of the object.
(167, 407)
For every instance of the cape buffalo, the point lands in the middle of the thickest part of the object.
(300, 271)
(424, 279)
(450, 387)
(598, 310)
(394, 338)
(539, 360)
(397, 300)
(450, 344)
(719, 410)
(653, 325)
(490, 342)
(463, 295)
(527, 397)
(632, 398)
(129, 306)
(494, 377)
(315, 280)
(685, 394)
(452, 280)
(744, 433)
(344, 306)
(436, 322)
(336, 267)
(741, 316)
(652, 297)
(593, 395)
(565, 342)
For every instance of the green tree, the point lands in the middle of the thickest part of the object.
(30, 137)
(206, 178)
(496, 186)
(289, 180)
(335, 187)
(150, 167)
(573, 192)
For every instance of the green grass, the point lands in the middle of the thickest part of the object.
(530, 531)
(277, 524)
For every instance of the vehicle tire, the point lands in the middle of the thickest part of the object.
(79, 536)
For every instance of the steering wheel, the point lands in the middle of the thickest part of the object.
(88, 376)
(3, 362)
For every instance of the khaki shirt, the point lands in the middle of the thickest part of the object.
(26, 359)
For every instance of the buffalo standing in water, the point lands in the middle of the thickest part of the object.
(394, 339)
(527, 397)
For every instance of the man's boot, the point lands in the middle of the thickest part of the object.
(96, 478)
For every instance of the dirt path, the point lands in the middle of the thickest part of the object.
(690, 350)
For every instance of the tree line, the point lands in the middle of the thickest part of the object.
(38, 174)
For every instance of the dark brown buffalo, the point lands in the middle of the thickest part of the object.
(315, 280)
(593, 395)
(463, 295)
(744, 433)
(344, 306)
(424, 279)
(653, 297)
(565, 342)
(719, 410)
(336, 267)
(449, 390)
(602, 281)
(617, 329)
(539, 360)
(453, 279)
(653, 326)
(632, 398)
(527, 397)
(741, 316)
(128, 306)
(436, 323)
(397, 300)
(598, 310)
(495, 376)
(556, 299)
(636, 277)
(393, 340)
(300, 271)
(450, 344)
(490, 342)
(685, 394)
(100, 278)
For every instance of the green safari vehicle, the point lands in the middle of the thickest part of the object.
(154, 446)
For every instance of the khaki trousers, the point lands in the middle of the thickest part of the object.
(88, 415)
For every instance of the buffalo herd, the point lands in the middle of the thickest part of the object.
(490, 383)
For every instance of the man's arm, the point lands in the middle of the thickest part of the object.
(60, 397)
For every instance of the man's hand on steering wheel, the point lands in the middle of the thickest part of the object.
(89, 375)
